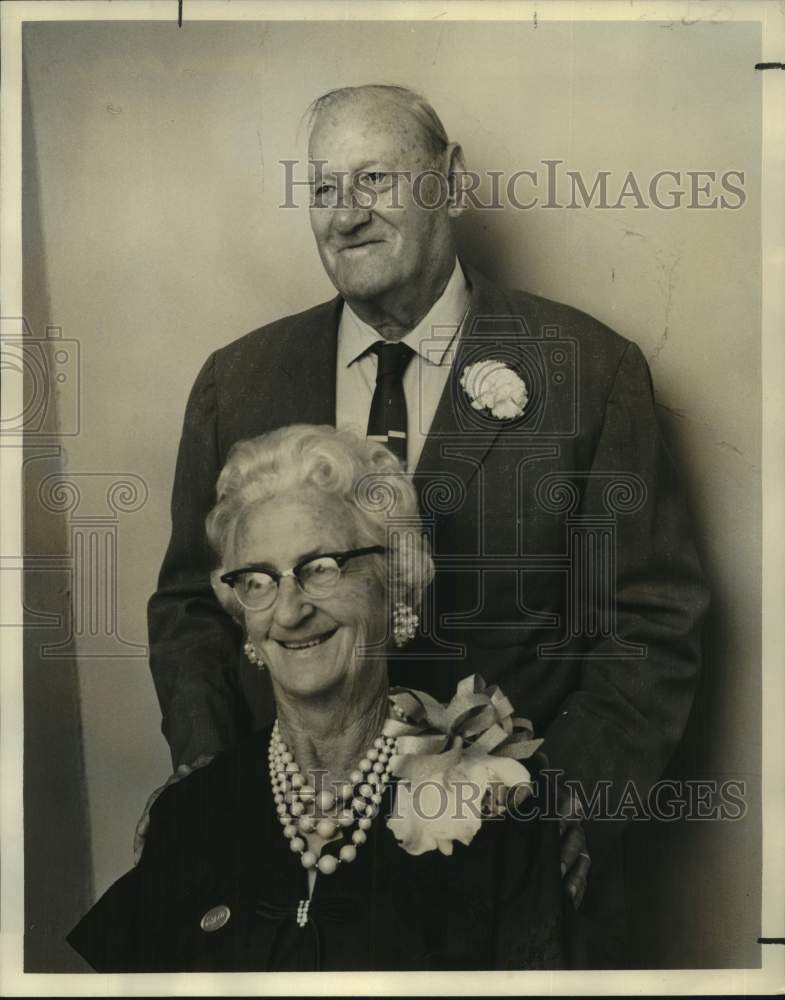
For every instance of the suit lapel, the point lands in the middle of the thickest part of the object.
(460, 437)
(305, 371)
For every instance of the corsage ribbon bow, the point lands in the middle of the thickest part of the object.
(448, 757)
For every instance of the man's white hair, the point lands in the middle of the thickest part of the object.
(379, 497)
(433, 131)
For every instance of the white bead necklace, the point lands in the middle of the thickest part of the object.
(294, 797)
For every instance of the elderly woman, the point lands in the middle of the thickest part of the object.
(365, 829)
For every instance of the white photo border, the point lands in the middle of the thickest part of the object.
(770, 978)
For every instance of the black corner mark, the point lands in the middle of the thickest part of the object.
(179, 13)
(774, 65)
(771, 940)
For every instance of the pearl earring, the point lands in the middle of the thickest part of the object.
(405, 622)
(250, 651)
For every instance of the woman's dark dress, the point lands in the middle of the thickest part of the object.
(215, 840)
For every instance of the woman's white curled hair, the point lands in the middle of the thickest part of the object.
(379, 496)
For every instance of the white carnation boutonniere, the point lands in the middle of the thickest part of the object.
(494, 386)
(454, 763)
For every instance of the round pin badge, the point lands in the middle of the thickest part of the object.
(215, 919)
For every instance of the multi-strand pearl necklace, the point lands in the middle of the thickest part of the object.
(356, 802)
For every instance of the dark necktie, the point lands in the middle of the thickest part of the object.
(387, 420)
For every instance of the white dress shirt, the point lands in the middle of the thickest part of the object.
(433, 341)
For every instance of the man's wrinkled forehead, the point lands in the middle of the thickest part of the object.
(367, 126)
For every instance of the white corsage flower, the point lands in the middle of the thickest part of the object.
(450, 758)
(492, 385)
(440, 798)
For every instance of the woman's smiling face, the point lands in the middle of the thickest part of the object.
(308, 643)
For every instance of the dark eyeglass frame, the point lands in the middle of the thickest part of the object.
(341, 558)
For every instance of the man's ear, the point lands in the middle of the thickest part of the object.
(456, 169)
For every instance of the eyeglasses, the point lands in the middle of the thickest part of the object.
(256, 586)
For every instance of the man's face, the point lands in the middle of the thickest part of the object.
(377, 241)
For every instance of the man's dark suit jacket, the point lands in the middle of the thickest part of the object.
(566, 570)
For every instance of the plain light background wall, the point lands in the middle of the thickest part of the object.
(153, 235)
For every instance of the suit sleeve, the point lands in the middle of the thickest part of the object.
(625, 718)
(194, 644)
(530, 912)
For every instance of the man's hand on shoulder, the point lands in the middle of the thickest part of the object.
(140, 833)
(575, 859)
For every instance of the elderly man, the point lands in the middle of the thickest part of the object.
(565, 568)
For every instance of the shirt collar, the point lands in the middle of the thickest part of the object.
(431, 338)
